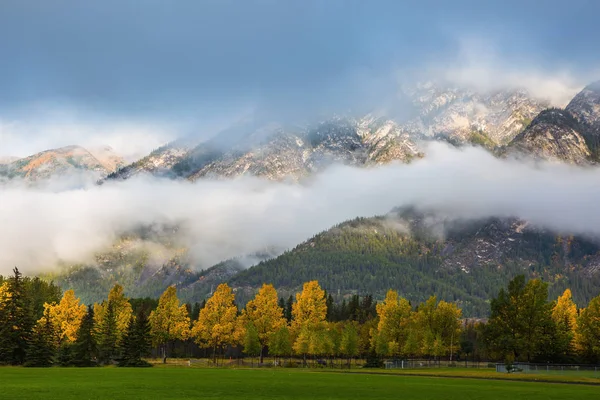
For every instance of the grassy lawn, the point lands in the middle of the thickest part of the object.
(584, 376)
(194, 383)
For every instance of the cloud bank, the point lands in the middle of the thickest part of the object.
(228, 218)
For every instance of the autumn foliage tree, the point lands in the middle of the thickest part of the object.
(66, 317)
(308, 319)
(121, 309)
(588, 330)
(169, 321)
(564, 315)
(393, 327)
(265, 314)
(217, 323)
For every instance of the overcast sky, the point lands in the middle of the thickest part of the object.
(172, 67)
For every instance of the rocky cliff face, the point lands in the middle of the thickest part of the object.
(457, 113)
(554, 135)
(585, 107)
(297, 154)
(158, 163)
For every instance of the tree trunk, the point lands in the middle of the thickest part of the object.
(262, 351)
(215, 354)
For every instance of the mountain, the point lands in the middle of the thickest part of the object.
(284, 154)
(571, 135)
(277, 151)
(459, 113)
(420, 254)
(585, 107)
(62, 161)
(159, 162)
(554, 135)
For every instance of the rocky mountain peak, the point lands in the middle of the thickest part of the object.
(554, 135)
(585, 107)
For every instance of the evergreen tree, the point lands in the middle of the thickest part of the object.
(288, 308)
(16, 322)
(195, 311)
(85, 350)
(281, 304)
(107, 336)
(137, 342)
(42, 348)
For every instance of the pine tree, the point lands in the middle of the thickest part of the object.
(85, 350)
(107, 335)
(136, 343)
(289, 305)
(121, 313)
(16, 322)
(42, 348)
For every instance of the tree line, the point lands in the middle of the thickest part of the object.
(40, 326)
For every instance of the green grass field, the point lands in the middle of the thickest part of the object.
(195, 383)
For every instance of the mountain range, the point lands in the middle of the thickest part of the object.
(464, 261)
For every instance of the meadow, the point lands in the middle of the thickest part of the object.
(194, 383)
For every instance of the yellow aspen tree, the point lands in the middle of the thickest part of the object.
(121, 308)
(425, 325)
(588, 330)
(66, 316)
(310, 308)
(447, 321)
(169, 321)
(217, 323)
(265, 314)
(392, 330)
(564, 314)
(309, 313)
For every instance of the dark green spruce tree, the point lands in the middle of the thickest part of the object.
(107, 336)
(137, 342)
(42, 348)
(16, 322)
(85, 349)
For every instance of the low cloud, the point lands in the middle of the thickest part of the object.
(229, 218)
(130, 140)
(481, 66)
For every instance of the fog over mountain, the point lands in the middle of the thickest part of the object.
(223, 219)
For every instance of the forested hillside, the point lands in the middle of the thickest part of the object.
(469, 264)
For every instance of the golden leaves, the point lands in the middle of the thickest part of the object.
(66, 316)
(217, 322)
(170, 320)
(265, 313)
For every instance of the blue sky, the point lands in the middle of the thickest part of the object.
(180, 64)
